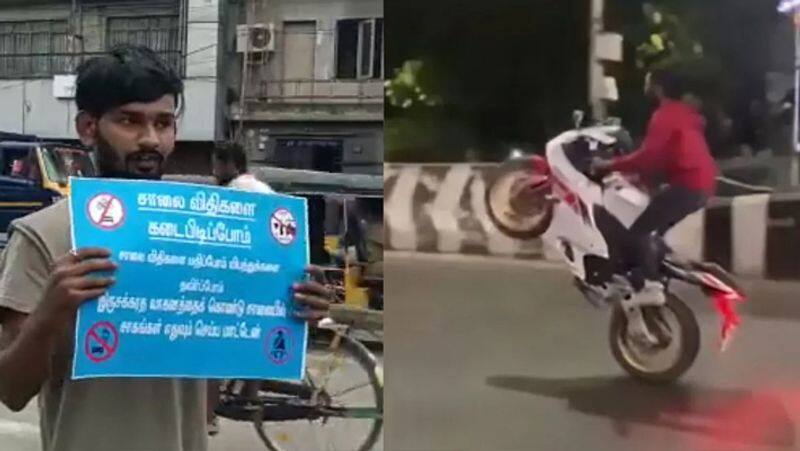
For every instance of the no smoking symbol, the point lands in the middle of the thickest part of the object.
(106, 211)
(101, 342)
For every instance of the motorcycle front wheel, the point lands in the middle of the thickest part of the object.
(515, 204)
(675, 326)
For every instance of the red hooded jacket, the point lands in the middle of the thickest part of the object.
(674, 147)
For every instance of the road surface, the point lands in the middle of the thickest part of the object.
(20, 431)
(499, 355)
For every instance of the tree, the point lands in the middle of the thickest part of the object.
(669, 40)
(416, 126)
(406, 89)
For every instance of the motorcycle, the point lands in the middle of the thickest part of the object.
(585, 219)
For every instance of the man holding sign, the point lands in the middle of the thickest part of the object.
(128, 102)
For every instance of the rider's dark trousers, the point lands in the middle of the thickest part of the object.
(668, 207)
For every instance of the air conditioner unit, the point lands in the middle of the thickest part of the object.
(259, 37)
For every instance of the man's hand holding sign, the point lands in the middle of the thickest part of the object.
(311, 297)
(72, 284)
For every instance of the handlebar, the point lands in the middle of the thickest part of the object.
(595, 176)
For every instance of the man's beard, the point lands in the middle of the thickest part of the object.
(110, 165)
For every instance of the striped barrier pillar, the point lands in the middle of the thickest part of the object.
(440, 208)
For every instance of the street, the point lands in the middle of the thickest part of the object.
(487, 354)
(20, 431)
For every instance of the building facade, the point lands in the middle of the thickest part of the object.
(43, 41)
(305, 82)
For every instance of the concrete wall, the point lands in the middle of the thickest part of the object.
(325, 13)
(201, 121)
(441, 209)
(355, 117)
(28, 105)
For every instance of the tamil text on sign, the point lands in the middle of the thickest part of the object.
(203, 286)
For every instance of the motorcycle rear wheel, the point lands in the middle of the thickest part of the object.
(632, 357)
(521, 218)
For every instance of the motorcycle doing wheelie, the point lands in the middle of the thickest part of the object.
(585, 219)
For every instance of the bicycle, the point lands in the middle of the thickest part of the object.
(287, 415)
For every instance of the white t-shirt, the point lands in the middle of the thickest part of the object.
(247, 182)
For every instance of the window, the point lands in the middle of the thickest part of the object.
(160, 33)
(323, 155)
(359, 49)
(61, 162)
(20, 163)
(33, 48)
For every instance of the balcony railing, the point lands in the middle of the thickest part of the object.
(321, 91)
(45, 65)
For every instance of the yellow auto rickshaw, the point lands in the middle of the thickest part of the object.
(34, 174)
(346, 227)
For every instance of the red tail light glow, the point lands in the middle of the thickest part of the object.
(725, 303)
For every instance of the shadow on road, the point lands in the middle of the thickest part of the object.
(730, 415)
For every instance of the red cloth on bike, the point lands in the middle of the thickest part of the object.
(675, 147)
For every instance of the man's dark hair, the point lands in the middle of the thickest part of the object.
(672, 81)
(698, 77)
(232, 152)
(127, 74)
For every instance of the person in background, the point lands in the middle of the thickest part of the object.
(229, 166)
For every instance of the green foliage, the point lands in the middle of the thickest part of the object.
(408, 89)
(670, 40)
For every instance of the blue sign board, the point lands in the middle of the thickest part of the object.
(203, 285)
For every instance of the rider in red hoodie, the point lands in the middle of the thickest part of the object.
(674, 152)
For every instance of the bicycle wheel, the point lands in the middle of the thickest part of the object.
(350, 384)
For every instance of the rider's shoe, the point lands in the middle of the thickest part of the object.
(652, 294)
(637, 328)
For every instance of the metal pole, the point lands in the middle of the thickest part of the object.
(795, 170)
(24, 106)
(250, 8)
(796, 124)
(598, 112)
(183, 26)
(73, 31)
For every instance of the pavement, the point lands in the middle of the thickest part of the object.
(489, 354)
(501, 355)
(20, 431)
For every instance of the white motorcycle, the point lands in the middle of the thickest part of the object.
(586, 219)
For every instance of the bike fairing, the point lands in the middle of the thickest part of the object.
(724, 298)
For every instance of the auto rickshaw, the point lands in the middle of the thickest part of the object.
(346, 227)
(345, 215)
(35, 174)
